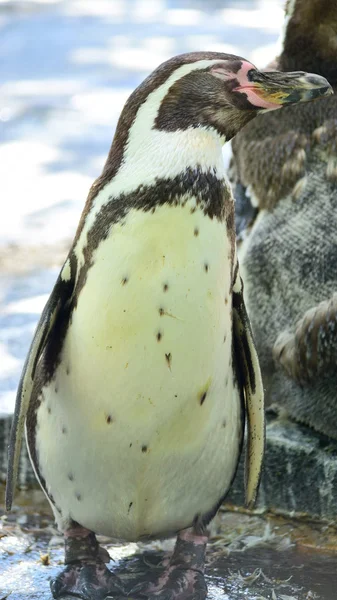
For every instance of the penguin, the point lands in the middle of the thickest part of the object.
(143, 365)
(284, 173)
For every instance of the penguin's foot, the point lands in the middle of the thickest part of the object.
(178, 584)
(183, 579)
(89, 581)
(85, 574)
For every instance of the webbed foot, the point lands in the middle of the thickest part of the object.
(85, 574)
(184, 578)
(178, 584)
(89, 581)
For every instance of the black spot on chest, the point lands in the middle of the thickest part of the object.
(203, 398)
(168, 358)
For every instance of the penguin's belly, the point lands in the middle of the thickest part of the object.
(139, 431)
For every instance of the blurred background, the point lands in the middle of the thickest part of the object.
(67, 67)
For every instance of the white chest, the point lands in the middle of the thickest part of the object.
(145, 399)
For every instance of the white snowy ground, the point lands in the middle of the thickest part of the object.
(67, 67)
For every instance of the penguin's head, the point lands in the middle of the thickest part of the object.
(219, 91)
(209, 91)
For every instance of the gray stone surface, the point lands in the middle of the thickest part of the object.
(299, 474)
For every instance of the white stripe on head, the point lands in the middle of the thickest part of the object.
(160, 160)
(151, 154)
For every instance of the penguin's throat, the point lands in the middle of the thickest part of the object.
(165, 155)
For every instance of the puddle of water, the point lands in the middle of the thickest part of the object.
(249, 558)
(282, 575)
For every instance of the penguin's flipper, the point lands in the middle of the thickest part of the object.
(245, 211)
(250, 376)
(312, 350)
(57, 301)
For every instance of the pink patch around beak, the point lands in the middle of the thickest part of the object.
(255, 99)
(249, 89)
(245, 86)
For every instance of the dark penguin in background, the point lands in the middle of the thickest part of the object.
(143, 364)
(285, 169)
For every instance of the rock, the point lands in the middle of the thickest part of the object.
(299, 475)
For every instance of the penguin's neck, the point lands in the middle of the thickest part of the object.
(143, 155)
(161, 167)
(152, 156)
(160, 154)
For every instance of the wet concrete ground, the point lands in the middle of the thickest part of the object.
(252, 557)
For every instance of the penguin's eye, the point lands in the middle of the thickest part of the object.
(253, 75)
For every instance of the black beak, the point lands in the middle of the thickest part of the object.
(274, 89)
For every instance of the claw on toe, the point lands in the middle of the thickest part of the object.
(89, 581)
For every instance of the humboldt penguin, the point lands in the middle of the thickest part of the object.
(285, 174)
(143, 363)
